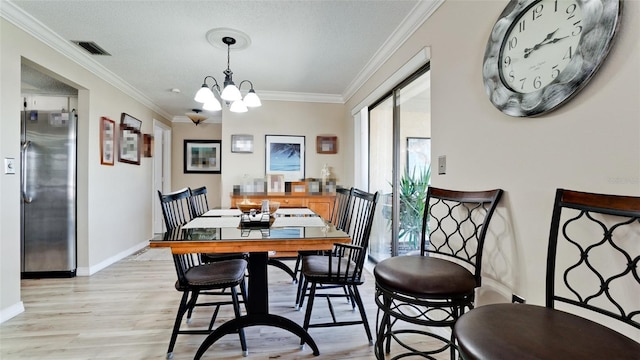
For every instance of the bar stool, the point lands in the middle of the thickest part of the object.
(592, 270)
(434, 288)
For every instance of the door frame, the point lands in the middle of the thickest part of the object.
(161, 177)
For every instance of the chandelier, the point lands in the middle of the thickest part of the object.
(230, 93)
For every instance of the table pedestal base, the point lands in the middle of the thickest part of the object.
(233, 326)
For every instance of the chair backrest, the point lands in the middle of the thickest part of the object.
(198, 203)
(358, 223)
(341, 207)
(455, 223)
(175, 208)
(593, 259)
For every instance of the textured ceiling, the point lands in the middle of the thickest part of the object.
(300, 49)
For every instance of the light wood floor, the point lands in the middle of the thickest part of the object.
(127, 310)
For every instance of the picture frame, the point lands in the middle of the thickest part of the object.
(275, 184)
(107, 141)
(129, 146)
(130, 122)
(418, 154)
(285, 154)
(327, 144)
(202, 156)
(242, 143)
(147, 145)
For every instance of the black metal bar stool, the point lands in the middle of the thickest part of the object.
(434, 288)
(592, 270)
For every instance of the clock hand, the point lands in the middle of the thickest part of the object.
(538, 45)
(528, 51)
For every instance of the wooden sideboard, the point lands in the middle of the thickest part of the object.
(321, 204)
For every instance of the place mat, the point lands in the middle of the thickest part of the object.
(294, 211)
(223, 212)
(307, 221)
(212, 222)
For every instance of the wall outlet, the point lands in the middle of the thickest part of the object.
(517, 299)
(442, 165)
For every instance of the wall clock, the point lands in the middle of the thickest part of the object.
(542, 52)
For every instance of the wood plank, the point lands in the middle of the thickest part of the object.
(127, 310)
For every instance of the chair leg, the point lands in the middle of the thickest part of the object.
(303, 292)
(382, 328)
(192, 305)
(236, 310)
(176, 326)
(363, 314)
(300, 291)
(307, 315)
(296, 267)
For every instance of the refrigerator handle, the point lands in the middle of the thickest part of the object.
(23, 172)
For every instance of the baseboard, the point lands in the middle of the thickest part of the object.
(11, 311)
(84, 271)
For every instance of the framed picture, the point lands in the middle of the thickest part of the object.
(275, 184)
(418, 154)
(147, 145)
(129, 146)
(130, 122)
(327, 144)
(107, 141)
(241, 143)
(202, 156)
(285, 155)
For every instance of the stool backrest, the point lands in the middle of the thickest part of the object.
(198, 203)
(341, 207)
(593, 259)
(455, 223)
(175, 208)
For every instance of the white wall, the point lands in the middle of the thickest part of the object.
(283, 118)
(114, 202)
(590, 144)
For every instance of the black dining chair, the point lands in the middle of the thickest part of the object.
(198, 277)
(432, 289)
(198, 206)
(338, 219)
(592, 290)
(343, 267)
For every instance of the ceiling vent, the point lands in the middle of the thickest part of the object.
(91, 47)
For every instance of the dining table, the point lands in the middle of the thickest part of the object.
(231, 231)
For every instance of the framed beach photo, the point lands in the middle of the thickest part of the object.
(202, 156)
(285, 155)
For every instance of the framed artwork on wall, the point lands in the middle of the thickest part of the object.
(130, 122)
(327, 144)
(129, 146)
(418, 154)
(241, 143)
(202, 156)
(284, 154)
(107, 141)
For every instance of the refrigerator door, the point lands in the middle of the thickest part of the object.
(49, 193)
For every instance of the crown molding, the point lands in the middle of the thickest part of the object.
(38, 30)
(420, 13)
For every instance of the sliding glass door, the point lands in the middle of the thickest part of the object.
(400, 158)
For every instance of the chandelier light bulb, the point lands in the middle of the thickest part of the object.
(231, 93)
(204, 94)
(252, 99)
(212, 105)
(238, 107)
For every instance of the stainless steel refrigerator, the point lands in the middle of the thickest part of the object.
(48, 185)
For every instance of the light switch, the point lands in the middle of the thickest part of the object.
(9, 165)
(442, 165)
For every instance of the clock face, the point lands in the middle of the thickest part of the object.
(541, 53)
(540, 44)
